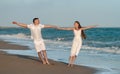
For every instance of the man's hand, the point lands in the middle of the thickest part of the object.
(14, 22)
(20, 24)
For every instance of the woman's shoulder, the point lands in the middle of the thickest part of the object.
(78, 29)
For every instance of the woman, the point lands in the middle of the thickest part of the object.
(77, 41)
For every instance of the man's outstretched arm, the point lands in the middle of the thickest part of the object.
(50, 26)
(20, 24)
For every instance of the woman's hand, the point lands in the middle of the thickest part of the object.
(14, 22)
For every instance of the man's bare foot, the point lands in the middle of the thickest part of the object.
(47, 63)
(70, 65)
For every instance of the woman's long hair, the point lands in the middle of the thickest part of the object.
(82, 33)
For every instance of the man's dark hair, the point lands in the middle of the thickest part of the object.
(35, 19)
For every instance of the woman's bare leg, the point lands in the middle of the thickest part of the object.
(70, 61)
(41, 57)
(73, 60)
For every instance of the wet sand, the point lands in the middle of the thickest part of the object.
(19, 64)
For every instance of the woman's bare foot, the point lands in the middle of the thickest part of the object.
(47, 63)
(43, 62)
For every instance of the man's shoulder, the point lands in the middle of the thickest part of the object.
(41, 24)
(30, 25)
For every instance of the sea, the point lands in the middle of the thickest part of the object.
(101, 48)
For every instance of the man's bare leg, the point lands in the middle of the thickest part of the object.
(45, 56)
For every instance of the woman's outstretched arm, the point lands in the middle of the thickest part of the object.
(89, 27)
(20, 24)
(63, 28)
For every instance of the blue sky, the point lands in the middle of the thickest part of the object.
(106, 13)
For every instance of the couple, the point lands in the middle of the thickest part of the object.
(35, 29)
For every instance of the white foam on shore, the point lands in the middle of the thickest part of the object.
(19, 35)
(61, 44)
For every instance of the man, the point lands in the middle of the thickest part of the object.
(37, 37)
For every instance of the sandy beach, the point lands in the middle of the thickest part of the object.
(18, 64)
